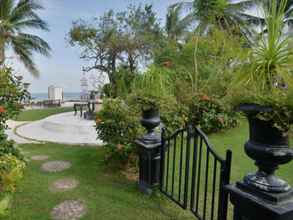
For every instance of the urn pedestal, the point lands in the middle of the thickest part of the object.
(149, 152)
(263, 195)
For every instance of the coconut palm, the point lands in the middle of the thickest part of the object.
(223, 14)
(263, 4)
(176, 27)
(15, 17)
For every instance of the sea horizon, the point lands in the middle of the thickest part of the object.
(39, 96)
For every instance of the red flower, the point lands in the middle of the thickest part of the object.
(205, 98)
(2, 109)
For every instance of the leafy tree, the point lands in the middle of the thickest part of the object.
(175, 26)
(122, 39)
(14, 19)
(141, 34)
(223, 14)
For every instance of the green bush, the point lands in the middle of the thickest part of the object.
(11, 171)
(12, 162)
(12, 93)
(173, 115)
(118, 126)
(9, 148)
(116, 123)
(211, 115)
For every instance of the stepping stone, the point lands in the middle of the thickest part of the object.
(40, 157)
(63, 185)
(56, 166)
(69, 210)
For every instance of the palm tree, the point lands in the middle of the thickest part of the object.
(223, 14)
(15, 17)
(263, 4)
(175, 26)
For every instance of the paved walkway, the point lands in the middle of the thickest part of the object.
(62, 128)
(12, 136)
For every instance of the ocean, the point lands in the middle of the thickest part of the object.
(44, 96)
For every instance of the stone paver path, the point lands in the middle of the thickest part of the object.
(63, 185)
(69, 210)
(40, 157)
(56, 166)
(62, 128)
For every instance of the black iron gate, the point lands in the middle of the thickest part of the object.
(193, 175)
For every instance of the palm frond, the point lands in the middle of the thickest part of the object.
(32, 23)
(25, 9)
(25, 55)
(14, 18)
(34, 43)
(5, 8)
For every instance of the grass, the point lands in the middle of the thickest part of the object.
(108, 194)
(38, 114)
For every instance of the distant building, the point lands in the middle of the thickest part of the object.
(55, 93)
(84, 96)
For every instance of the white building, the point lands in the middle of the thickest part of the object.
(84, 96)
(55, 93)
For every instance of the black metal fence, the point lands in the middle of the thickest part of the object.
(193, 175)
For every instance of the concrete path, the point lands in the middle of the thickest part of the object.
(12, 136)
(62, 128)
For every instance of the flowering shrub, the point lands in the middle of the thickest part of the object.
(172, 114)
(116, 123)
(12, 93)
(118, 126)
(12, 162)
(11, 171)
(9, 148)
(211, 115)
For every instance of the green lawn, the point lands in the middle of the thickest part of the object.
(38, 114)
(107, 193)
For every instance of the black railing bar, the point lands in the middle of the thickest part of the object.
(168, 161)
(193, 185)
(180, 167)
(206, 184)
(214, 188)
(224, 180)
(162, 162)
(209, 145)
(176, 133)
(198, 176)
(174, 163)
(187, 171)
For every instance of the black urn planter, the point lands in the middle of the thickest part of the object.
(269, 148)
(150, 120)
(149, 152)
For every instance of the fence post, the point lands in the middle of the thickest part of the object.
(149, 147)
(263, 195)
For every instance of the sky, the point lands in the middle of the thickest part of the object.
(64, 67)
